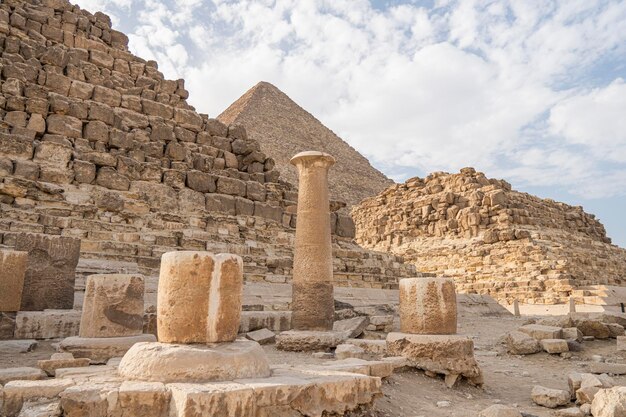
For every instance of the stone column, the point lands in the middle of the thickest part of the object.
(312, 300)
(427, 306)
(12, 272)
(199, 297)
(113, 306)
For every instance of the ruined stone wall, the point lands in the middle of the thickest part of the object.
(95, 143)
(490, 238)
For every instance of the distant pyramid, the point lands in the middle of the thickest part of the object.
(283, 129)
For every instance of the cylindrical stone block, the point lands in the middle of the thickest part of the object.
(12, 272)
(427, 306)
(312, 300)
(113, 306)
(199, 297)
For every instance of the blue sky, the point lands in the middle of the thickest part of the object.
(532, 92)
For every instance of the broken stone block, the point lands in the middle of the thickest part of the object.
(615, 330)
(49, 366)
(51, 271)
(164, 362)
(373, 347)
(101, 349)
(607, 368)
(554, 345)
(47, 324)
(427, 306)
(440, 354)
(499, 410)
(621, 343)
(261, 336)
(113, 306)
(144, 398)
(594, 328)
(572, 333)
(199, 297)
(540, 332)
(345, 351)
(276, 321)
(309, 340)
(609, 402)
(9, 347)
(569, 412)
(548, 397)
(18, 392)
(585, 395)
(519, 343)
(12, 374)
(353, 327)
(12, 273)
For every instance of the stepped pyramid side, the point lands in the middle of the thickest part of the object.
(95, 143)
(283, 129)
(491, 239)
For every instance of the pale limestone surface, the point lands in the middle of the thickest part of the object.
(199, 297)
(499, 410)
(442, 354)
(554, 345)
(519, 343)
(609, 402)
(17, 392)
(540, 332)
(309, 340)
(313, 303)
(548, 397)
(428, 306)
(47, 324)
(12, 374)
(49, 366)
(164, 362)
(101, 349)
(352, 327)
(12, 272)
(113, 306)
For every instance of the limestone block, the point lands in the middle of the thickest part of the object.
(607, 368)
(550, 398)
(590, 327)
(47, 324)
(621, 343)
(18, 392)
(353, 327)
(309, 340)
(346, 350)
(51, 271)
(101, 349)
(12, 347)
(49, 366)
(554, 345)
(540, 332)
(569, 412)
(84, 400)
(373, 347)
(113, 306)
(12, 272)
(165, 362)
(572, 333)
(26, 373)
(519, 343)
(261, 336)
(615, 330)
(199, 297)
(427, 306)
(276, 321)
(144, 398)
(609, 402)
(441, 354)
(586, 395)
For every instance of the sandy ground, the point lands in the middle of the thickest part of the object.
(508, 379)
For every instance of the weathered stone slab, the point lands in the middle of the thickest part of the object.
(554, 345)
(144, 398)
(519, 343)
(353, 327)
(607, 368)
(16, 393)
(165, 362)
(12, 273)
(309, 340)
(11, 347)
(276, 321)
(47, 324)
(347, 350)
(101, 349)
(113, 306)
(373, 347)
(262, 336)
(609, 402)
(441, 354)
(49, 366)
(427, 306)
(7, 325)
(51, 271)
(540, 332)
(548, 397)
(499, 410)
(13, 374)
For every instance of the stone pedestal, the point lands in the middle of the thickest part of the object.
(199, 297)
(12, 272)
(50, 272)
(449, 355)
(312, 302)
(113, 306)
(427, 306)
(165, 362)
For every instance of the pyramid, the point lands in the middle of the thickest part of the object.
(283, 129)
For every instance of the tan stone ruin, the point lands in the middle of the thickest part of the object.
(428, 339)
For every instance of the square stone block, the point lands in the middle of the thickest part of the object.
(12, 272)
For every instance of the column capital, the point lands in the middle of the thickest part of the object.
(312, 157)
